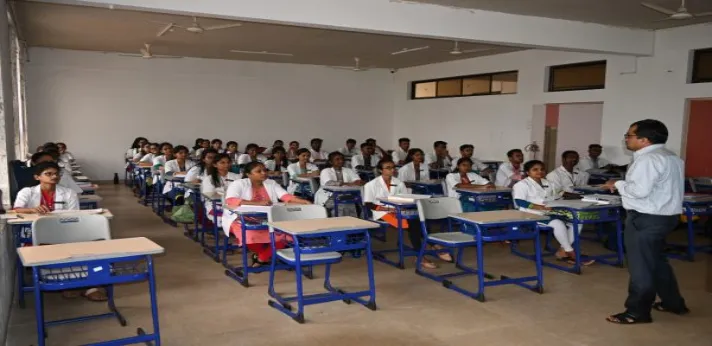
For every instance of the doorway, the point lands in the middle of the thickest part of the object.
(698, 141)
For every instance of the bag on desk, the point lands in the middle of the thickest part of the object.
(183, 214)
(582, 215)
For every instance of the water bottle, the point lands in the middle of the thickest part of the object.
(116, 178)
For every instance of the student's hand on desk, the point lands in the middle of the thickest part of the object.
(610, 185)
(298, 201)
(42, 210)
(489, 186)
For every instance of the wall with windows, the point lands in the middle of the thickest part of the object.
(636, 88)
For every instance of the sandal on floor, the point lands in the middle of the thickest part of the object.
(444, 256)
(659, 307)
(256, 263)
(627, 318)
(426, 264)
(95, 295)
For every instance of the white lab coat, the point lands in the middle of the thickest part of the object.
(207, 187)
(477, 165)
(586, 163)
(359, 160)
(67, 157)
(354, 151)
(131, 152)
(328, 177)
(172, 167)
(31, 197)
(245, 159)
(242, 189)
(194, 174)
(376, 188)
(294, 172)
(453, 179)
(318, 155)
(148, 158)
(407, 172)
(505, 173)
(563, 181)
(432, 157)
(67, 181)
(530, 191)
(399, 155)
(271, 166)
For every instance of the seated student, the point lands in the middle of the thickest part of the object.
(317, 155)
(292, 151)
(198, 173)
(256, 189)
(65, 179)
(135, 146)
(463, 178)
(205, 144)
(531, 194)
(218, 179)
(594, 159)
(415, 168)
(250, 155)
(440, 158)
(53, 148)
(350, 148)
(268, 151)
(568, 176)
(367, 159)
(231, 149)
(154, 150)
(510, 173)
(196, 146)
(179, 165)
(145, 150)
(167, 155)
(466, 151)
(217, 145)
(64, 155)
(335, 175)
(301, 169)
(387, 185)
(378, 150)
(399, 155)
(278, 163)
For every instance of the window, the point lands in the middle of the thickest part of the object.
(583, 76)
(484, 84)
(702, 66)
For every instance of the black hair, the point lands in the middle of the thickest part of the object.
(280, 149)
(333, 155)
(134, 145)
(316, 140)
(382, 162)
(251, 146)
(157, 145)
(198, 141)
(370, 140)
(302, 151)
(439, 143)
(216, 140)
(164, 144)
(250, 166)
(530, 164)
(411, 153)
(514, 151)
(365, 144)
(203, 155)
(351, 140)
(37, 156)
(591, 146)
(569, 152)
(275, 142)
(467, 146)
(463, 160)
(293, 142)
(404, 139)
(230, 143)
(59, 144)
(50, 146)
(654, 130)
(213, 171)
(41, 167)
(179, 148)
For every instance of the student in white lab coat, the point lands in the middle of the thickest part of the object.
(231, 148)
(440, 158)
(463, 178)
(135, 147)
(567, 176)
(154, 150)
(594, 160)
(377, 149)
(510, 173)
(251, 155)
(196, 146)
(317, 154)
(217, 179)
(292, 151)
(466, 151)
(145, 149)
(205, 144)
(256, 189)
(531, 195)
(64, 155)
(336, 175)
(277, 144)
(415, 168)
(198, 173)
(278, 163)
(301, 169)
(399, 155)
(160, 160)
(217, 145)
(350, 149)
(179, 165)
(65, 179)
(367, 159)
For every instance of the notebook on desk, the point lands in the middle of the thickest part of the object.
(407, 198)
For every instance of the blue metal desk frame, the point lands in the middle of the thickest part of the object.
(403, 250)
(690, 209)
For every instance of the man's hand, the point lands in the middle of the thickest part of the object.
(610, 185)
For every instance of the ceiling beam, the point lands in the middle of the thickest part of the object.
(404, 18)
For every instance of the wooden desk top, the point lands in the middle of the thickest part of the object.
(32, 256)
(341, 188)
(90, 198)
(27, 219)
(499, 216)
(334, 224)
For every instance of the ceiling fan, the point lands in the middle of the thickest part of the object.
(146, 54)
(194, 27)
(263, 52)
(409, 50)
(457, 51)
(356, 68)
(680, 14)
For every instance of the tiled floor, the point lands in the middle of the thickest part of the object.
(201, 306)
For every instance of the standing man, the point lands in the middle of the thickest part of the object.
(652, 194)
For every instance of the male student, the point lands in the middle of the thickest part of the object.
(510, 173)
(350, 148)
(317, 155)
(594, 159)
(367, 159)
(466, 151)
(378, 150)
(439, 158)
(401, 152)
(567, 176)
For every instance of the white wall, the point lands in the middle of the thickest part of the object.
(579, 125)
(654, 87)
(98, 103)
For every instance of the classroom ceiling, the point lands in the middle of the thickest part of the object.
(627, 13)
(123, 31)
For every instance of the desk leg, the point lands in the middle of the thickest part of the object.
(371, 280)
(399, 217)
(577, 246)
(335, 196)
(154, 302)
(39, 308)
(690, 236)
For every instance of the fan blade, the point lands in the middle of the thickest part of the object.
(264, 52)
(476, 50)
(131, 55)
(703, 14)
(410, 50)
(658, 8)
(166, 57)
(165, 29)
(224, 26)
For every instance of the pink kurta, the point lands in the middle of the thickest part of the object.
(255, 236)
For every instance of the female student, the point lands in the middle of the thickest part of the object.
(205, 144)
(301, 169)
(231, 149)
(463, 178)
(256, 189)
(292, 151)
(146, 149)
(251, 155)
(415, 168)
(154, 150)
(531, 194)
(269, 151)
(197, 173)
(66, 156)
(196, 146)
(387, 185)
(337, 175)
(179, 165)
(218, 178)
(279, 162)
(160, 161)
(135, 146)
(217, 145)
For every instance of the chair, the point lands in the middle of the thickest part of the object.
(70, 229)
